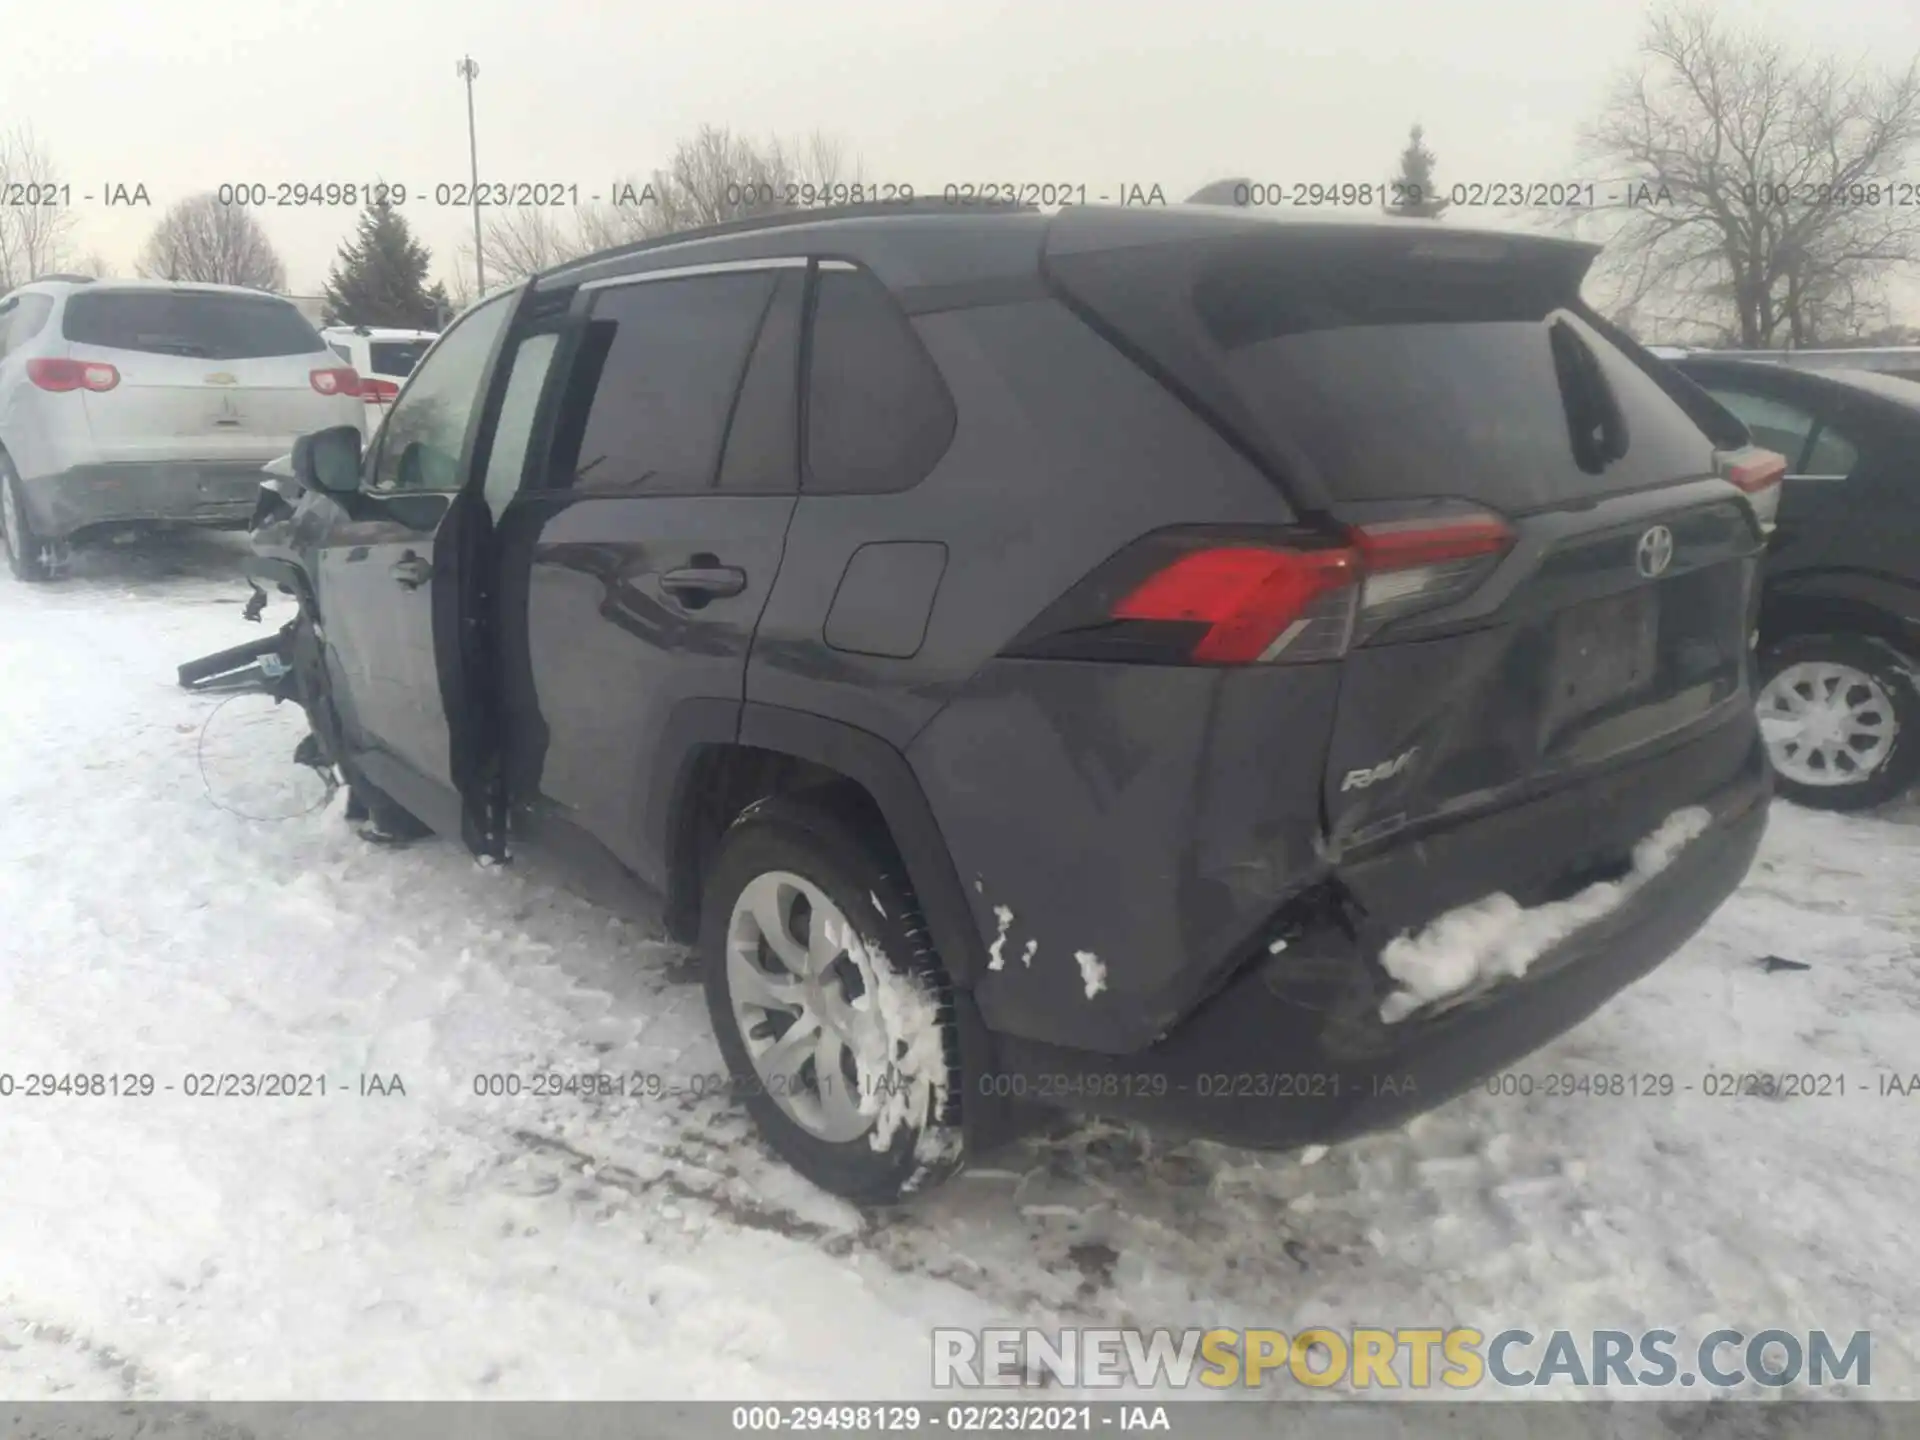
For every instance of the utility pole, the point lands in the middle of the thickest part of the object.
(467, 71)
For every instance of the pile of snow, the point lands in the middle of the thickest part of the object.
(1497, 938)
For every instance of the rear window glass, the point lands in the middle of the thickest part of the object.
(1400, 381)
(204, 325)
(396, 357)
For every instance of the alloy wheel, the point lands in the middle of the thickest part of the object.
(1826, 723)
(803, 997)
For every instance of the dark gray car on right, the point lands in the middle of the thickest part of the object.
(1840, 603)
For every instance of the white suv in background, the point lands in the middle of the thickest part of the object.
(382, 357)
(131, 402)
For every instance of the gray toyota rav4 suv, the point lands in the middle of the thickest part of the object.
(1062, 660)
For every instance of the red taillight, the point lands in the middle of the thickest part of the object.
(1265, 603)
(377, 392)
(338, 380)
(1418, 564)
(1758, 474)
(1254, 601)
(1194, 596)
(61, 376)
(1400, 544)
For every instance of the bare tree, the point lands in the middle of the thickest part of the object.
(713, 177)
(527, 238)
(36, 233)
(200, 239)
(1758, 185)
(458, 281)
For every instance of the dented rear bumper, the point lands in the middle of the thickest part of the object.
(211, 493)
(1294, 1050)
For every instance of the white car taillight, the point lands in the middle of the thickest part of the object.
(61, 376)
(336, 380)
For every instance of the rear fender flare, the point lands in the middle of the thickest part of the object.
(862, 757)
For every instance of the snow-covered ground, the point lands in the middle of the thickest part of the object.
(439, 1244)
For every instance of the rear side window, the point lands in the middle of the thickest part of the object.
(1773, 423)
(1401, 380)
(203, 325)
(396, 357)
(879, 416)
(662, 361)
(1832, 455)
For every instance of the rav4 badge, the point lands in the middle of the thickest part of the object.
(1367, 777)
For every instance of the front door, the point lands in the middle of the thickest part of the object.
(389, 575)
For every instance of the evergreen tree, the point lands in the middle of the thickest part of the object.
(381, 276)
(1415, 194)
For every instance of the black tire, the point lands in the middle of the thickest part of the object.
(862, 877)
(1898, 678)
(26, 552)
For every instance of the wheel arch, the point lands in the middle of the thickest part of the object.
(713, 769)
(1848, 602)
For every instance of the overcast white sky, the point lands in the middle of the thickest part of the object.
(182, 95)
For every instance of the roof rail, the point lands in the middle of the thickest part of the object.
(776, 219)
(61, 275)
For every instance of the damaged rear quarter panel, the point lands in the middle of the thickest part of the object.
(1153, 817)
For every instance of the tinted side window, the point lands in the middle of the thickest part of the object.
(1832, 453)
(1773, 423)
(879, 416)
(664, 361)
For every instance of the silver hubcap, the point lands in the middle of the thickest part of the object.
(804, 1004)
(1826, 723)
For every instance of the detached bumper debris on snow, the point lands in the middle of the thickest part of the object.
(1493, 939)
